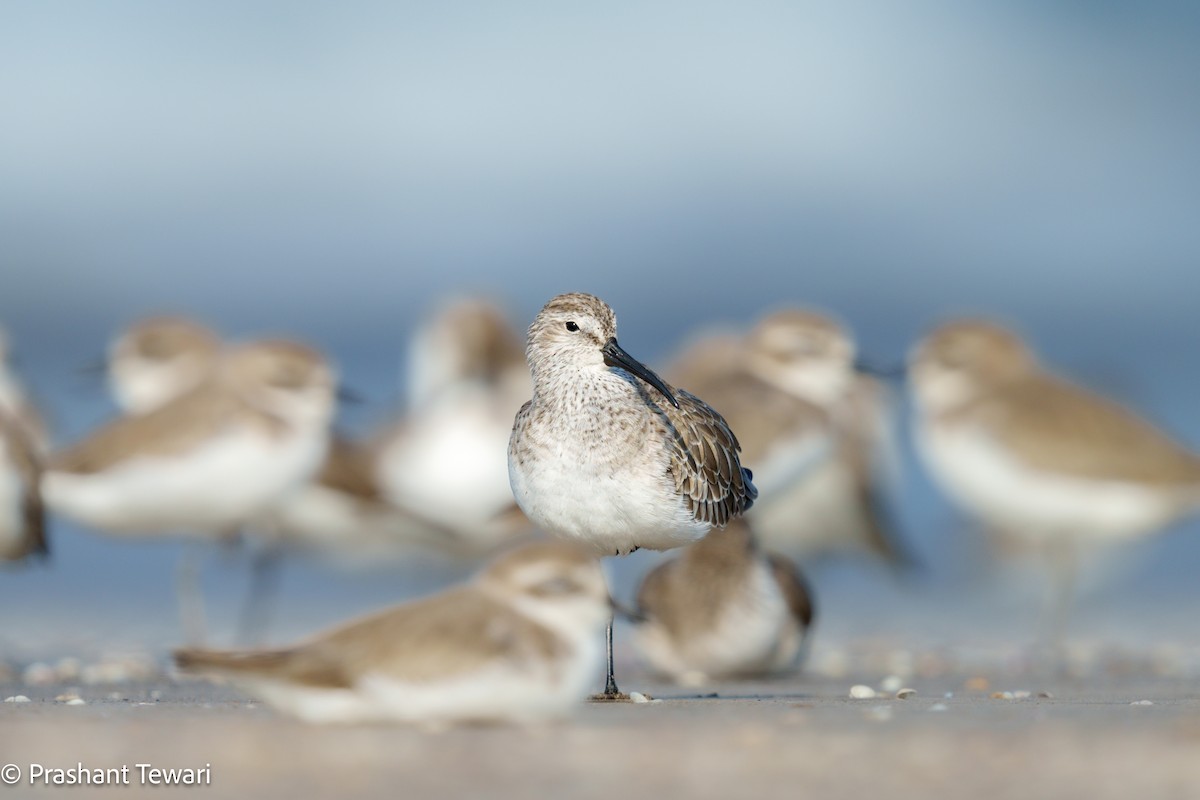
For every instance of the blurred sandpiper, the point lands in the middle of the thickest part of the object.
(1038, 458)
(607, 454)
(725, 608)
(520, 643)
(815, 428)
(209, 461)
(339, 512)
(466, 378)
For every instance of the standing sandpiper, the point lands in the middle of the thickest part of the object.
(340, 510)
(607, 454)
(211, 460)
(1038, 458)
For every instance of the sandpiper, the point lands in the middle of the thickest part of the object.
(816, 429)
(339, 512)
(724, 608)
(466, 379)
(22, 525)
(17, 404)
(1038, 458)
(210, 461)
(467, 341)
(157, 359)
(607, 454)
(519, 643)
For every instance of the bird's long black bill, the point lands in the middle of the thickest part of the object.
(614, 356)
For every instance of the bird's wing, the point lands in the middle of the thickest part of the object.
(348, 469)
(173, 428)
(704, 461)
(1058, 426)
(439, 638)
(295, 665)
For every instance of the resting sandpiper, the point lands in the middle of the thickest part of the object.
(607, 454)
(518, 644)
(815, 427)
(725, 608)
(465, 380)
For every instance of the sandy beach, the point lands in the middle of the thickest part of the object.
(992, 735)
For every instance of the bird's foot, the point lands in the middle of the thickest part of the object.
(611, 693)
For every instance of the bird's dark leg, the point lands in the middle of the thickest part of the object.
(611, 692)
(610, 683)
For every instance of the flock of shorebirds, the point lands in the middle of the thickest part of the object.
(778, 451)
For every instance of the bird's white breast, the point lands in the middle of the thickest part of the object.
(820, 513)
(987, 481)
(220, 483)
(613, 505)
(450, 462)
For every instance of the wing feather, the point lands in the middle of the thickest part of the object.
(704, 461)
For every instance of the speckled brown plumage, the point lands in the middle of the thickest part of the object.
(704, 461)
(599, 420)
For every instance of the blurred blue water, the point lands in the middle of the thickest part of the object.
(331, 171)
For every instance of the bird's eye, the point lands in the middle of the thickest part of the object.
(572, 327)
